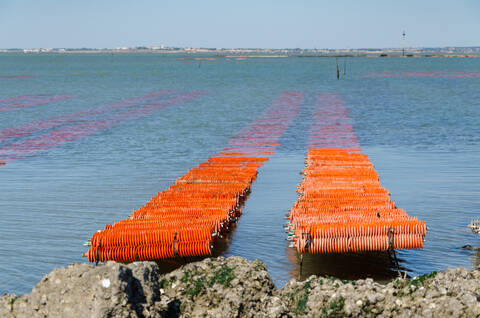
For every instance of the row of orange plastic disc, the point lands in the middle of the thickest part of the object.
(342, 206)
(200, 207)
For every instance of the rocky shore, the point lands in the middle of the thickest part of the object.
(235, 287)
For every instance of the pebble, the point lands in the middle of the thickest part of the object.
(106, 283)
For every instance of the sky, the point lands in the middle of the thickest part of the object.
(235, 24)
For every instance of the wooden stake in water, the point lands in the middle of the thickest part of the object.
(301, 267)
(338, 70)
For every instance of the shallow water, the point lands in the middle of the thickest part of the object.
(422, 134)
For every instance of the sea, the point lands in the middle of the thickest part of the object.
(88, 138)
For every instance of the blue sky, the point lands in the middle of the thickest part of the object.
(246, 23)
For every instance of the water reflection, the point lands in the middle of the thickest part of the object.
(349, 266)
(476, 257)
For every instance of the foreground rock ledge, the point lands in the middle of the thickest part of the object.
(235, 287)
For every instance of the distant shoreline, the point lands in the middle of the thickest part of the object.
(464, 52)
(236, 55)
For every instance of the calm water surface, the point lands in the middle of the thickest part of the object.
(421, 133)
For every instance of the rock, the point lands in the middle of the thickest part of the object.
(235, 287)
(84, 290)
(232, 287)
(475, 226)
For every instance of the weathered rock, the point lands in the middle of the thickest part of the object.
(475, 226)
(82, 290)
(232, 287)
(214, 287)
(452, 293)
(235, 287)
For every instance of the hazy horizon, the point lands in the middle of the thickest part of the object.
(269, 24)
